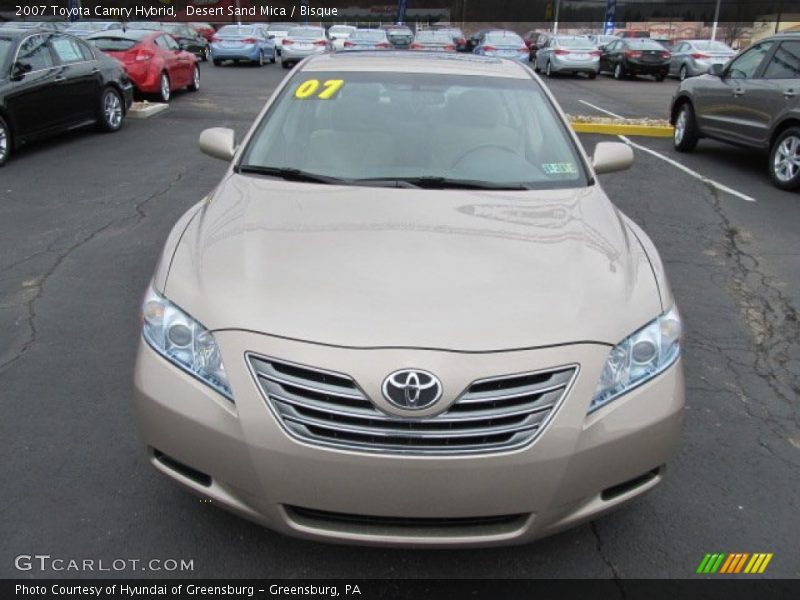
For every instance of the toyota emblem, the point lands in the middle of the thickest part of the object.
(412, 388)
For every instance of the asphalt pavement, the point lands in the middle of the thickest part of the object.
(83, 219)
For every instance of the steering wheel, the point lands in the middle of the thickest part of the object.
(500, 147)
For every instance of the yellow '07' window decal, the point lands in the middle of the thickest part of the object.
(312, 88)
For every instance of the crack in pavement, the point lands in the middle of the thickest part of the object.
(38, 284)
(617, 577)
(773, 324)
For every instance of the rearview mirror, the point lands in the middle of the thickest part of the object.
(717, 69)
(218, 142)
(611, 156)
(19, 70)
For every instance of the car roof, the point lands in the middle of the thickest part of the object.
(418, 62)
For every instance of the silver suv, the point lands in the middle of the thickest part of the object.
(752, 101)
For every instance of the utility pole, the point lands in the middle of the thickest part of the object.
(716, 22)
(555, 21)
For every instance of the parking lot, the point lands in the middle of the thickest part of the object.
(83, 219)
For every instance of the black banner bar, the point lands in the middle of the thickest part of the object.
(705, 588)
(730, 11)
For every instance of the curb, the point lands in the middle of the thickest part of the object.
(141, 110)
(658, 131)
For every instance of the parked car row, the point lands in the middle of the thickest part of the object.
(628, 53)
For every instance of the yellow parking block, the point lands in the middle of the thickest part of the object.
(622, 129)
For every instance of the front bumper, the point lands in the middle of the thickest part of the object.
(240, 457)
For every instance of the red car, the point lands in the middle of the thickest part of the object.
(153, 59)
(204, 29)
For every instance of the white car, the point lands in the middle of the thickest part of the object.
(338, 34)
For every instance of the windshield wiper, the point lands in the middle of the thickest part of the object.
(290, 174)
(441, 183)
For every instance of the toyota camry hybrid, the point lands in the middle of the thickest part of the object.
(409, 314)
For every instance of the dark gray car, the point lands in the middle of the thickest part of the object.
(752, 101)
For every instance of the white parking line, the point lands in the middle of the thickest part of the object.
(602, 110)
(715, 184)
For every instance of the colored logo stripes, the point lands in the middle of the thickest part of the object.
(738, 562)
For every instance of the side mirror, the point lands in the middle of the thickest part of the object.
(19, 70)
(218, 142)
(611, 156)
(272, 37)
(717, 70)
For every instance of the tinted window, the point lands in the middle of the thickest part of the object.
(67, 50)
(746, 65)
(34, 52)
(405, 125)
(644, 44)
(785, 63)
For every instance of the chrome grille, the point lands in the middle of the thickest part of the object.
(328, 408)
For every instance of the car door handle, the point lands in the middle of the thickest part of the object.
(738, 92)
(59, 78)
(789, 94)
(95, 71)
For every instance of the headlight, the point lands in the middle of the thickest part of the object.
(639, 357)
(183, 341)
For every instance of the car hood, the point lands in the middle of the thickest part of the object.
(448, 269)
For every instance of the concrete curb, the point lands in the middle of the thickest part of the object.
(659, 131)
(142, 110)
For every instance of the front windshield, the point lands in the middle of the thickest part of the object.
(357, 126)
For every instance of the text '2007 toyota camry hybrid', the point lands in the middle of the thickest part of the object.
(409, 314)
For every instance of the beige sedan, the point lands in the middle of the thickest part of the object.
(409, 314)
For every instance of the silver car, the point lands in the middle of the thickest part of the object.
(367, 39)
(568, 54)
(752, 101)
(695, 57)
(301, 42)
(278, 31)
